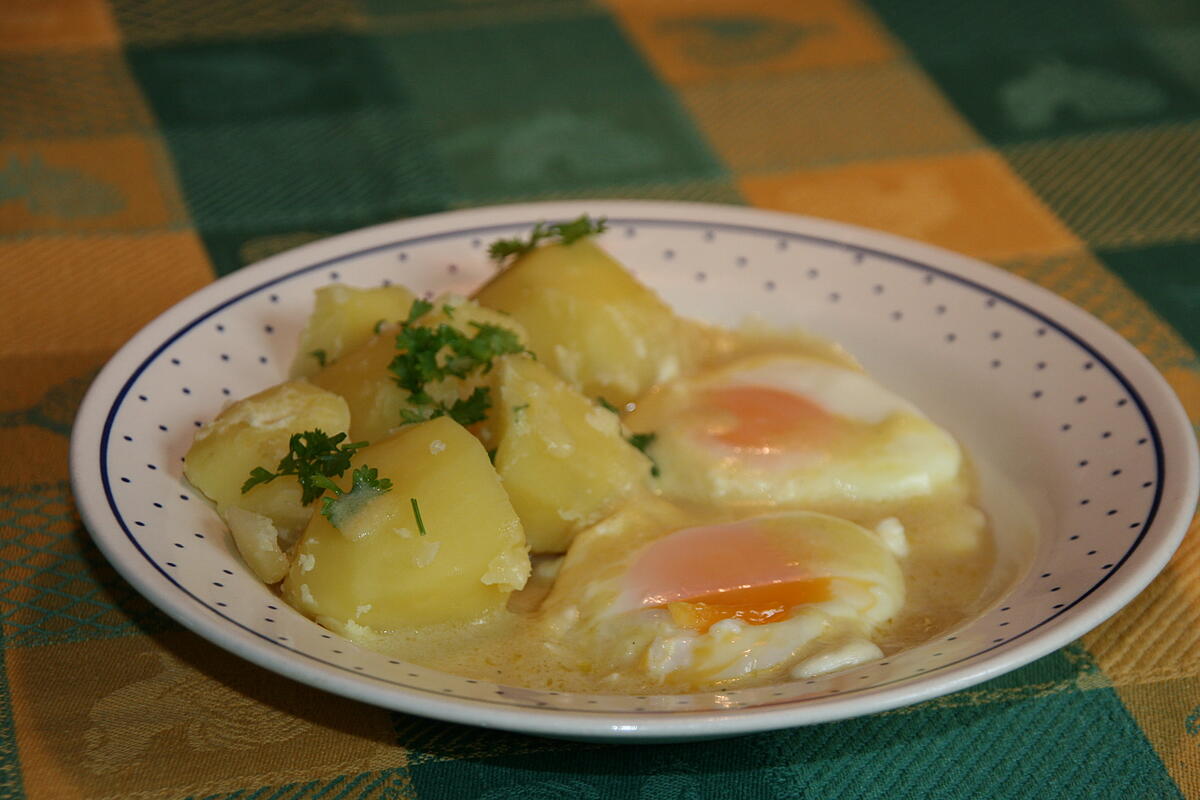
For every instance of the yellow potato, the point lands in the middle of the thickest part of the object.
(563, 459)
(344, 317)
(361, 376)
(254, 432)
(380, 573)
(592, 322)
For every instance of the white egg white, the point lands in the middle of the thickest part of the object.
(880, 448)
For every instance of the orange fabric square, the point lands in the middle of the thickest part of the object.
(68, 294)
(115, 183)
(970, 202)
(31, 25)
(817, 117)
(176, 716)
(697, 40)
(1157, 636)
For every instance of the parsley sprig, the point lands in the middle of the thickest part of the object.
(365, 486)
(561, 232)
(641, 441)
(315, 458)
(428, 355)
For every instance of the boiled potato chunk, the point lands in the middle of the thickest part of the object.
(380, 573)
(254, 432)
(563, 459)
(591, 322)
(344, 317)
(258, 541)
(361, 376)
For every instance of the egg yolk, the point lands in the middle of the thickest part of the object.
(738, 570)
(764, 420)
(755, 605)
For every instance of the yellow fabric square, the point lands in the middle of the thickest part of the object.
(1082, 279)
(813, 118)
(113, 183)
(1168, 713)
(697, 40)
(160, 21)
(1125, 188)
(32, 25)
(89, 294)
(66, 94)
(969, 202)
(176, 716)
(1157, 636)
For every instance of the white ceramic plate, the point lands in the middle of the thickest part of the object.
(1075, 428)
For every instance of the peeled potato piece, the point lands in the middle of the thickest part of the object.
(254, 432)
(592, 322)
(344, 317)
(258, 541)
(381, 573)
(563, 459)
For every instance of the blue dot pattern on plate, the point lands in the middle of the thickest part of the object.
(1100, 426)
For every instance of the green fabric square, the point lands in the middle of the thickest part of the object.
(258, 79)
(936, 28)
(1168, 276)
(518, 67)
(640, 142)
(546, 107)
(1073, 744)
(324, 170)
(1178, 50)
(1033, 95)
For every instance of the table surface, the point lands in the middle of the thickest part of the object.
(148, 146)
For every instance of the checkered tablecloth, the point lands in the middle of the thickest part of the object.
(148, 146)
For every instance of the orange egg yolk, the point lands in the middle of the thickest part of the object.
(763, 419)
(735, 570)
(756, 605)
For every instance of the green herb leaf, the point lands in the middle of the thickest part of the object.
(379, 326)
(419, 309)
(605, 404)
(366, 485)
(417, 513)
(641, 441)
(428, 355)
(561, 232)
(319, 355)
(313, 457)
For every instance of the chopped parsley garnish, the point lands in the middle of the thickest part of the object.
(366, 485)
(429, 355)
(561, 232)
(605, 404)
(641, 441)
(379, 325)
(319, 355)
(448, 310)
(313, 457)
(417, 513)
(517, 410)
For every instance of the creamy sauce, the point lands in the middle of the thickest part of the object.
(949, 575)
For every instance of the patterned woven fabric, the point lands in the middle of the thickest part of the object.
(148, 146)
